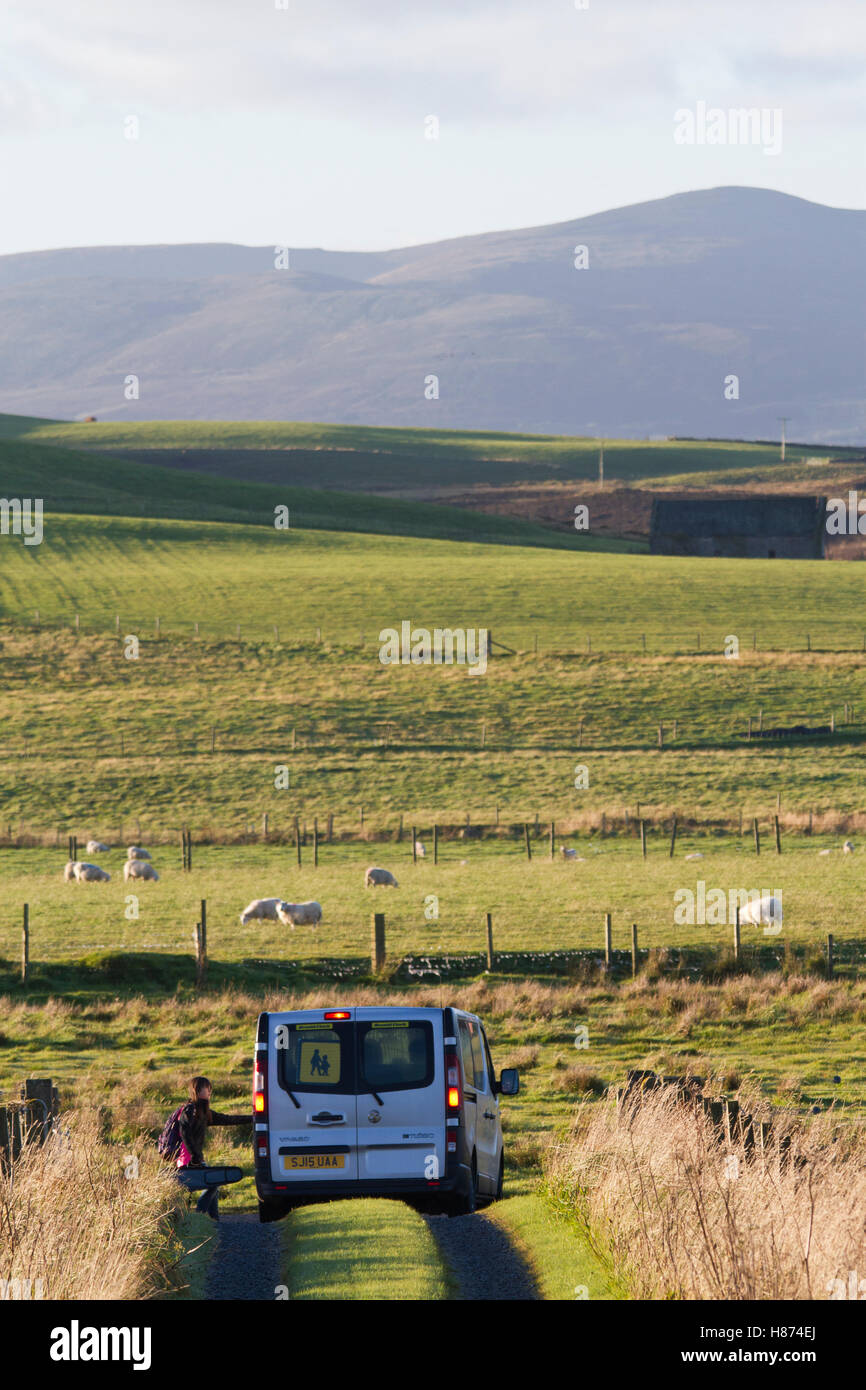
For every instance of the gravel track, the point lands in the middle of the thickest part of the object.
(246, 1263)
(482, 1259)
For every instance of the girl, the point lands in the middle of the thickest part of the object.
(193, 1122)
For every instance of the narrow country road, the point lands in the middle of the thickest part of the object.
(481, 1258)
(246, 1263)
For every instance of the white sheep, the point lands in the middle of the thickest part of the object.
(96, 847)
(136, 852)
(299, 914)
(420, 849)
(567, 853)
(847, 848)
(91, 873)
(136, 868)
(822, 852)
(696, 855)
(379, 878)
(766, 909)
(262, 910)
(69, 871)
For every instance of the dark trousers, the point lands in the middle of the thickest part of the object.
(208, 1202)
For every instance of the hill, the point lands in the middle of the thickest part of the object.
(678, 293)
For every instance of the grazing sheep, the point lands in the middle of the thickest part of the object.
(766, 909)
(136, 868)
(69, 871)
(299, 914)
(847, 848)
(419, 849)
(824, 851)
(567, 853)
(262, 910)
(136, 852)
(697, 855)
(91, 873)
(96, 847)
(379, 878)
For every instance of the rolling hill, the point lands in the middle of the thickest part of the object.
(678, 294)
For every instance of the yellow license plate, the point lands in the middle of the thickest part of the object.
(294, 1161)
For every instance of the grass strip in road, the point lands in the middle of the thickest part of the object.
(365, 1249)
(564, 1266)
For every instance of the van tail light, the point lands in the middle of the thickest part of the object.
(261, 1146)
(452, 1084)
(260, 1081)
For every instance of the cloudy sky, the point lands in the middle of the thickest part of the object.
(305, 122)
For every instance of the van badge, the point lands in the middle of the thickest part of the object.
(374, 1117)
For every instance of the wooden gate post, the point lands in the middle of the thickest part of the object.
(552, 838)
(643, 838)
(607, 940)
(25, 942)
(315, 842)
(377, 954)
(778, 836)
(436, 844)
(489, 941)
(673, 838)
(757, 836)
(633, 949)
(414, 845)
(526, 840)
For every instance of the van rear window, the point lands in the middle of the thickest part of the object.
(315, 1057)
(395, 1056)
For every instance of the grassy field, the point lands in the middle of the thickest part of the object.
(537, 906)
(362, 456)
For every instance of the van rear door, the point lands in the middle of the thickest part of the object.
(401, 1094)
(312, 1105)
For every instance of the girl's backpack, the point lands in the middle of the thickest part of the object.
(169, 1142)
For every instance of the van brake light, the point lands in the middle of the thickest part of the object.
(338, 1013)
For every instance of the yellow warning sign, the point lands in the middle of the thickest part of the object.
(319, 1062)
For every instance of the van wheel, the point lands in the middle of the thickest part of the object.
(272, 1211)
(464, 1203)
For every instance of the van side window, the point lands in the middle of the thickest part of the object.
(490, 1072)
(466, 1052)
(478, 1057)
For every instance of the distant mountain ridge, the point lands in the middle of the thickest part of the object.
(679, 295)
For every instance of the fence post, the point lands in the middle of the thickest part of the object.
(265, 825)
(633, 949)
(331, 826)
(25, 942)
(661, 735)
(414, 845)
(603, 824)
(399, 829)
(213, 740)
(377, 954)
(526, 840)
(830, 961)
(607, 941)
(778, 836)
(315, 842)
(489, 941)
(673, 838)
(737, 936)
(298, 840)
(757, 836)
(436, 844)
(749, 732)
(643, 838)
(552, 838)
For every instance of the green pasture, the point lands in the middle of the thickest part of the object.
(410, 458)
(536, 905)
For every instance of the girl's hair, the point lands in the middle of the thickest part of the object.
(194, 1086)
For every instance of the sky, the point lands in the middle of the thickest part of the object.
(308, 122)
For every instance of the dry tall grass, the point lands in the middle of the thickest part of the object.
(679, 1214)
(74, 1225)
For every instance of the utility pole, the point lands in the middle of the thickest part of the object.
(784, 419)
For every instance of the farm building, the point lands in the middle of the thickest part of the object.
(788, 527)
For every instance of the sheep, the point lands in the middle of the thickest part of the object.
(91, 873)
(299, 914)
(567, 853)
(419, 849)
(824, 851)
(847, 848)
(261, 909)
(69, 871)
(766, 909)
(96, 847)
(136, 852)
(136, 868)
(697, 855)
(379, 878)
